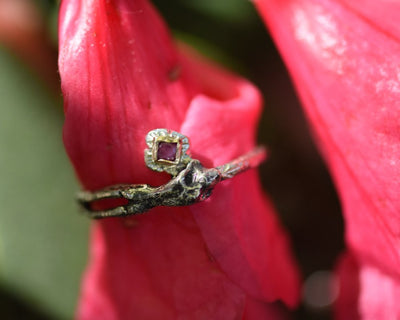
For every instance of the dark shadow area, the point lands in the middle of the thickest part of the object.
(13, 307)
(297, 179)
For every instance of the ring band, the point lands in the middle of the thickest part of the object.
(168, 151)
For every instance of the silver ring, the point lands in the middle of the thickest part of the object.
(168, 151)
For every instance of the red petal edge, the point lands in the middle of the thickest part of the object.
(121, 77)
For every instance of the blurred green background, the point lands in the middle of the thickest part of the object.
(44, 242)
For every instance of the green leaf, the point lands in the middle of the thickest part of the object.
(43, 241)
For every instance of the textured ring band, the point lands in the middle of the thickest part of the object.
(190, 183)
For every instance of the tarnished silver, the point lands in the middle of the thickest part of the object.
(190, 182)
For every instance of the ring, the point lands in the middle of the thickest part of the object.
(190, 183)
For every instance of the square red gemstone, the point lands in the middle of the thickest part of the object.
(167, 151)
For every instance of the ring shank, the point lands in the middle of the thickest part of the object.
(193, 184)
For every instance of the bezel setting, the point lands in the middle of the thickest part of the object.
(182, 158)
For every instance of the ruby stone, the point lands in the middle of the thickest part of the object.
(167, 151)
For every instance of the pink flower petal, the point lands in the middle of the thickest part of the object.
(248, 244)
(156, 269)
(122, 77)
(378, 292)
(343, 57)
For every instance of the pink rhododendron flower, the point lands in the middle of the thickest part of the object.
(225, 258)
(344, 59)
